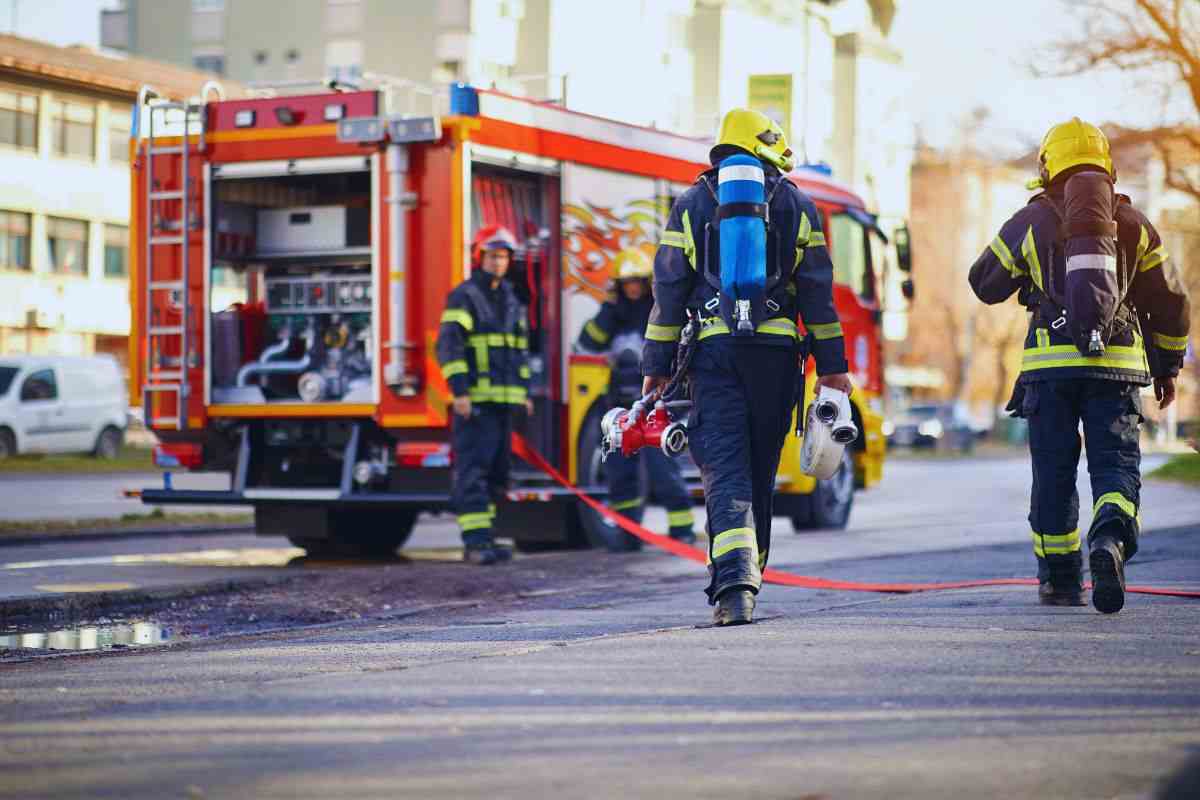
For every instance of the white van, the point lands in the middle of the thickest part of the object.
(61, 404)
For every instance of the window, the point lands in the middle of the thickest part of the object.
(67, 243)
(260, 57)
(18, 119)
(208, 5)
(213, 62)
(73, 128)
(343, 59)
(39, 386)
(208, 20)
(118, 134)
(14, 240)
(7, 374)
(293, 56)
(116, 251)
(851, 266)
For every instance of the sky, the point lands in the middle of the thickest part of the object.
(61, 22)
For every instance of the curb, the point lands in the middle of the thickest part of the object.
(50, 608)
(99, 534)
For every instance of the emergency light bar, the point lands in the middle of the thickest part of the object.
(406, 130)
(360, 130)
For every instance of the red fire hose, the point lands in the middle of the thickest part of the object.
(522, 449)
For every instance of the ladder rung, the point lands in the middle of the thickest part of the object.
(173, 194)
(166, 330)
(166, 284)
(165, 421)
(166, 240)
(162, 387)
(170, 150)
(156, 378)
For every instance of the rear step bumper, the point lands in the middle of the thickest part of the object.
(321, 497)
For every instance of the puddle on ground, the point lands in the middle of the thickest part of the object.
(89, 637)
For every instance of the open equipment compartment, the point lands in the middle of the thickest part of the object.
(292, 282)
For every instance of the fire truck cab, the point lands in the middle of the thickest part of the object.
(292, 258)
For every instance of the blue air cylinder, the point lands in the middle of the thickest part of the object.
(741, 210)
(1093, 288)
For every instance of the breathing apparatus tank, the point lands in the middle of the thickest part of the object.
(742, 216)
(1093, 291)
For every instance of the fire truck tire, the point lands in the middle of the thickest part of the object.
(8, 444)
(828, 507)
(595, 529)
(357, 533)
(109, 444)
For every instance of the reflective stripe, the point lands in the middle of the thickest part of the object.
(689, 241)
(475, 521)
(621, 505)
(1001, 251)
(803, 236)
(734, 539)
(663, 333)
(828, 330)
(672, 239)
(1143, 245)
(452, 368)
(1098, 261)
(1152, 259)
(596, 332)
(779, 326)
(1170, 342)
(499, 340)
(1066, 355)
(523, 371)
(1043, 338)
(1118, 500)
(740, 172)
(458, 316)
(491, 509)
(1029, 251)
(1052, 544)
(485, 393)
(677, 519)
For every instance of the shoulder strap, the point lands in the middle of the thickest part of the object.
(483, 308)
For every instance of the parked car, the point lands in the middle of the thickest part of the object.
(933, 425)
(61, 404)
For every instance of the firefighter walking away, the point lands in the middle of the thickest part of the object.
(1108, 315)
(483, 350)
(618, 329)
(742, 257)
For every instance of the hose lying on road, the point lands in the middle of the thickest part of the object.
(522, 449)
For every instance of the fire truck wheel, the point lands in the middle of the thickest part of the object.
(108, 444)
(597, 531)
(8, 444)
(357, 533)
(830, 503)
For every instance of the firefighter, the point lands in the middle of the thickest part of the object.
(743, 387)
(1065, 381)
(483, 349)
(619, 329)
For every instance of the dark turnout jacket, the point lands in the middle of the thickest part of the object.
(483, 342)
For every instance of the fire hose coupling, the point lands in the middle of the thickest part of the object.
(629, 430)
(829, 429)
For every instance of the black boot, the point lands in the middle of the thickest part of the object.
(1107, 561)
(486, 554)
(734, 607)
(1052, 594)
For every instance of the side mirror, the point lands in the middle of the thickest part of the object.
(906, 289)
(903, 249)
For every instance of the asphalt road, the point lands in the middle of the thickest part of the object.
(612, 685)
(28, 496)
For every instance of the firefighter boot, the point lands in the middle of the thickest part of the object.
(486, 553)
(1061, 593)
(1107, 560)
(734, 607)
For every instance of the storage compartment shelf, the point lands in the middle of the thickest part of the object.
(344, 255)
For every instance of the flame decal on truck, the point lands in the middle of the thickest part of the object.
(593, 235)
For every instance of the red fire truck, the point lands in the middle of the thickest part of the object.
(292, 258)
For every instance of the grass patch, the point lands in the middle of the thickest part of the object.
(1184, 468)
(151, 519)
(131, 459)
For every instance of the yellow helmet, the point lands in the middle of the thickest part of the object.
(1070, 144)
(755, 132)
(632, 263)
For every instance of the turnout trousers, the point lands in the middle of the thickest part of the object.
(666, 485)
(482, 461)
(742, 396)
(1110, 413)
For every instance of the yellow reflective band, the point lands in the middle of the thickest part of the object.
(499, 340)
(663, 333)
(678, 519)
(1001, 251)
(491, 509)
(1152, 259)
(621, 505)
(523, 371)
(596, 332)
(1170, 342)
(1029, 251)
(779, 326)
(1037, 545)
(458, 316)
(1043, 337)
(485, 393)
(473, 522)
(1066, 355)
(827, 330)
(689, 242)
(1118, 500)
(1143, 244)
(672, 239)
(452, 368)
(805, 232)
(1052, 544)
(734, 539)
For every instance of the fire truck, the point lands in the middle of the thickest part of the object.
(292, 256)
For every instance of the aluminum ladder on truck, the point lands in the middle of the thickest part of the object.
(168, 236)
